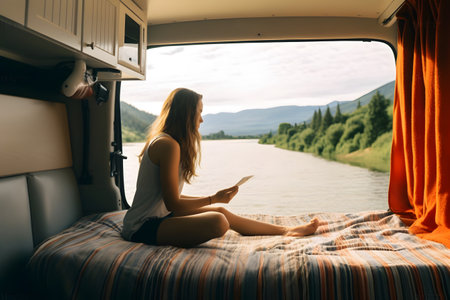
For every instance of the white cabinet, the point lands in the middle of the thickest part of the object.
(105, 33)
(100, 29)
(57, 19)
(13, 10)
(132, 40)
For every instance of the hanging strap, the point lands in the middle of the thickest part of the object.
(86, 177)
(116, 157)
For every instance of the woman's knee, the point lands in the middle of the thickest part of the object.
(219, 224)
(222, 210)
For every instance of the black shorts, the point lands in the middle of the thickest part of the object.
(147, 233)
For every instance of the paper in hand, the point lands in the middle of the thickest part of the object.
(243, 180)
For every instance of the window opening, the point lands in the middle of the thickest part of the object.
(312, 100)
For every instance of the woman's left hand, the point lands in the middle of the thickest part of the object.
(225, 196)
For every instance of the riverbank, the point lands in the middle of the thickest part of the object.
(368, 158)
(375, 158)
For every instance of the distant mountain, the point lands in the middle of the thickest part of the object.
(260, 121)
(135, 122)
(254, 121)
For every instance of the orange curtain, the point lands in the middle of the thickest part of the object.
(419, 190)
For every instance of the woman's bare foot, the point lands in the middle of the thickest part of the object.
(303, 230)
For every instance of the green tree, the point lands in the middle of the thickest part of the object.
(376, 120)
(314, 121)
(359, 104)
(353, 125)
(291, 132)
(327, 120)
(307, 136)
(283, 128)
(334, 133)
(338, 117)
(319, 119)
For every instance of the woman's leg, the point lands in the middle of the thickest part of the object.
(192, 229)
(246, 226)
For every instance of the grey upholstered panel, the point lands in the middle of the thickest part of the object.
(54, 201)
(16, 241)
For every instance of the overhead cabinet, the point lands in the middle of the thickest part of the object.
(57, 19)
(106, 30)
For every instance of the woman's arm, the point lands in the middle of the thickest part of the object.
(222, 196)
(165, 152)
(188, 197)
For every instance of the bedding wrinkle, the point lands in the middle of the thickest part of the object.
(165, 291)
(178, 282)
(431, 266)
(390, 276)
(141, 277)
(86, 263)
(260, 278)
(203, 273)
(109, 282)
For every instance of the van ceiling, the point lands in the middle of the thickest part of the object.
(171, 11)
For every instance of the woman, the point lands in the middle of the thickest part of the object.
(160, 215)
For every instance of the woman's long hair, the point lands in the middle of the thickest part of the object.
(178, 119)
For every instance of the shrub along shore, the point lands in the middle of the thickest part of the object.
(362, 138)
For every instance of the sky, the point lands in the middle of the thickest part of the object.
(238, 76)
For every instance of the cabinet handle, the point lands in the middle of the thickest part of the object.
(90, 45)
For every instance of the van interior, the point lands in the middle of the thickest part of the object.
(62, 63)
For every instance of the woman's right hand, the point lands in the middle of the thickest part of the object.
(225, 196)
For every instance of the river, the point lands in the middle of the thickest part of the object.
(284, 183)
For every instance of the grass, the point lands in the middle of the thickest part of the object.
(377, 157)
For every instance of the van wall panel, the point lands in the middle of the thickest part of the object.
(34, 136)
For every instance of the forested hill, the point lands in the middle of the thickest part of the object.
(134, 123)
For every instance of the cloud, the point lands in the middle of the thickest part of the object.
(172, 51)
(233, 77)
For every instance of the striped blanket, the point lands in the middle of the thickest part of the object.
(352, 256)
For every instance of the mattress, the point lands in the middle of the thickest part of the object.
(369, 255)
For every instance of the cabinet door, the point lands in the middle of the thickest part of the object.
(13, 10)
(132, 40)
(58, 19)
(100, 29)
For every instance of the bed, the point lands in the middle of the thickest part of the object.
(369, 255)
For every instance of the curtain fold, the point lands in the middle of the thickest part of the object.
(419, 190)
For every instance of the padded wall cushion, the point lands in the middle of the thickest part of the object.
(15, 230)
(54, 201)
(43, 124)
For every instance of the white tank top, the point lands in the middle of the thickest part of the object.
(148, 201)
